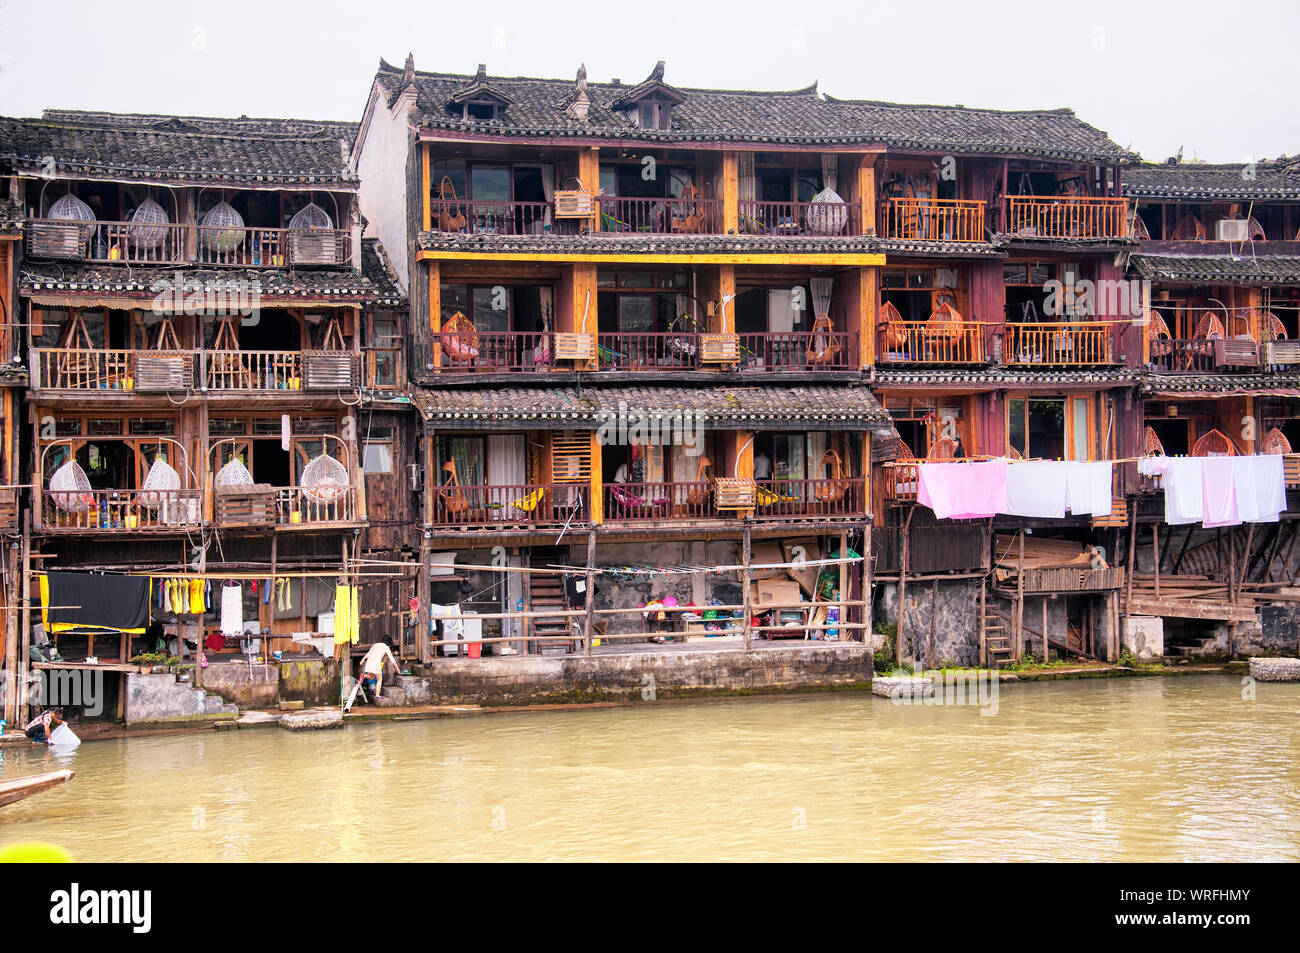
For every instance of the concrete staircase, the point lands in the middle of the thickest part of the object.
(164, 697)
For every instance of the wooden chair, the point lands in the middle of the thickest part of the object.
(823, 344)
(1274, 329)
(906, 474)
(699, 495)
(453, 497)
(894, 335)
(1014, 454)
(1214, 444)
(944, 330)
(945, 448)
(1162, 342)
(451, 217)
(831, 492)
(228, 370)
(1151, 445)
(1275, 442)
(1189, 228)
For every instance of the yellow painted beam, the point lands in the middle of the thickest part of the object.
(681, 258)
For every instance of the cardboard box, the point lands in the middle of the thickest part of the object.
(766, 551)
(766, 592)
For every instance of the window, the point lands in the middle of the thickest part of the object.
(383, 352)
(466, 455)
(377, 455)
(483, 112)
(1050, 428)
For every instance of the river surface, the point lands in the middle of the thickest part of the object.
(1180, 768)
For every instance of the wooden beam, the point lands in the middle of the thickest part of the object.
(662, 258)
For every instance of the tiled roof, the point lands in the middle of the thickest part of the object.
(12, 218)
(720, 405)
(1264, 181)
(621, 243)
(995, 377)
(801, 116)
(241, 151)
(371, 286)
(1219, 269)
(1219, 383)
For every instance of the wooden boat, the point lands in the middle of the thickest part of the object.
(19, 788)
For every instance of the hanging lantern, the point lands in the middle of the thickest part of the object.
(233, 473)
(223, 229)
(148, 225)
(72, 209)
(311, 216)
(324, 479)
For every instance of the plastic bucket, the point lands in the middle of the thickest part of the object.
(64, 736)
(475, 649)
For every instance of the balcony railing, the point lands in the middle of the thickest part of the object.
(116, 511)
(799, 350)
(131, 243)
(496, 351)
(647, 502)
(921, 342)
(1067, 217)
(643, 351)
(308, 506)
(815, 219)
(491, 218)
(932, 220)
(661, 216)
(272, 247)
(1065, 342)
(253, 370)
(900, 481)
(810, 499)
(523, 504)
(70, 368)
(1183, 355)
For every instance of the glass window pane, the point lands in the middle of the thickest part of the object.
(1016, 425)
(490, 183)
(377, 458)
(1047, 429)
(492, 308)
(1080, 429)
(636, 313)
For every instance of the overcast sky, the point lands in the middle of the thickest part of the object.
(1218, 79)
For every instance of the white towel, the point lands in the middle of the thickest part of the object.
(1184, 494)
(232, 610)
(1088, 488)
(1260, 485)
(1219, 484)
(1036, 489)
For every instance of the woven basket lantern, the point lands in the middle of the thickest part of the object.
(223, 228)
(233, 473)
(311, 216)
(148, 225)
(324, 479)
(827, 214)
(72, 209)
(161, 481)
(70, 488)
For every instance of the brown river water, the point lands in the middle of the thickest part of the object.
(1179, 768)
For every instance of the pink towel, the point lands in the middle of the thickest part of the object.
(1220, 492)
(963, 491)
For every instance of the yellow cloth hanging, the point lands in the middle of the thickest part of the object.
(196, 597)
(178, 596)
(347, 620)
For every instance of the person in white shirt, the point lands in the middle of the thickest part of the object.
(762, 466)
(372, 667)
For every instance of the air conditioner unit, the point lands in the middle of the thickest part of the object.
(1231, 230)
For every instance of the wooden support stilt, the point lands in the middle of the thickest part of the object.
(25, 617)
(1044, 632)
(10, 711)
(591, 591)
(902, 590)
(984, 650)
(745, 556)
(934, 613)
(868, 584)
(1020, 599)
(1132, 547)
(1182, 551)
(844, 579)
(1155, 553)
(1245, 560)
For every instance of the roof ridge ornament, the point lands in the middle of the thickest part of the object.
(579, 103)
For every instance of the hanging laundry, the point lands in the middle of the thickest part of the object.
(963, 490)
(1088, 488)
(266, 592)
(347, 626)
(284, 432)
(196, 596)
(1220, 496)
(232, 609)
(1260, 485)
(1184, 491)
(1036, 488)
(81, 601)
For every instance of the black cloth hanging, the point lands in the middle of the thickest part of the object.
(114, 603)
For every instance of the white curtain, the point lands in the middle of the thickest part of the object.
(821, 295)
(505, 467)
(781, 314)
(548, 189)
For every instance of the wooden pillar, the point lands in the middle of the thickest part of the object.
(902, 589)
(844, 585)
(868, 591)
(730, 193)
(1044, 632)
(1132, 547)
(745, 557)
(434, 356)
(1155, 553)
(10, 711)
(591, 591)
(934, 611)
(984, 652)
(866, 194)
(1019, 626)
(25, 620)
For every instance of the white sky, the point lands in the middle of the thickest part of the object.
(1219, 79)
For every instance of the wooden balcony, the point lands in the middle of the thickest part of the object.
(253, 370)
(926, 342)
(932, 220)
(688, 216)
(808, 219)
(772, 351)
(900, 481)
(273, 247)
(1073, 580)
(810, 499)
(524, 505)
(492, 218)
(1067, 217)
(118, 511)
(311, 507)
(128, 243)
(647, 351)
(496, 352)
(1183, 355)
(111, 372)
(654, 502)
(1062, 343)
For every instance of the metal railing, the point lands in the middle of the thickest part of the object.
(495, 351)
(490, 217)
(648, 350)
(932, 220)
(664, 216)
